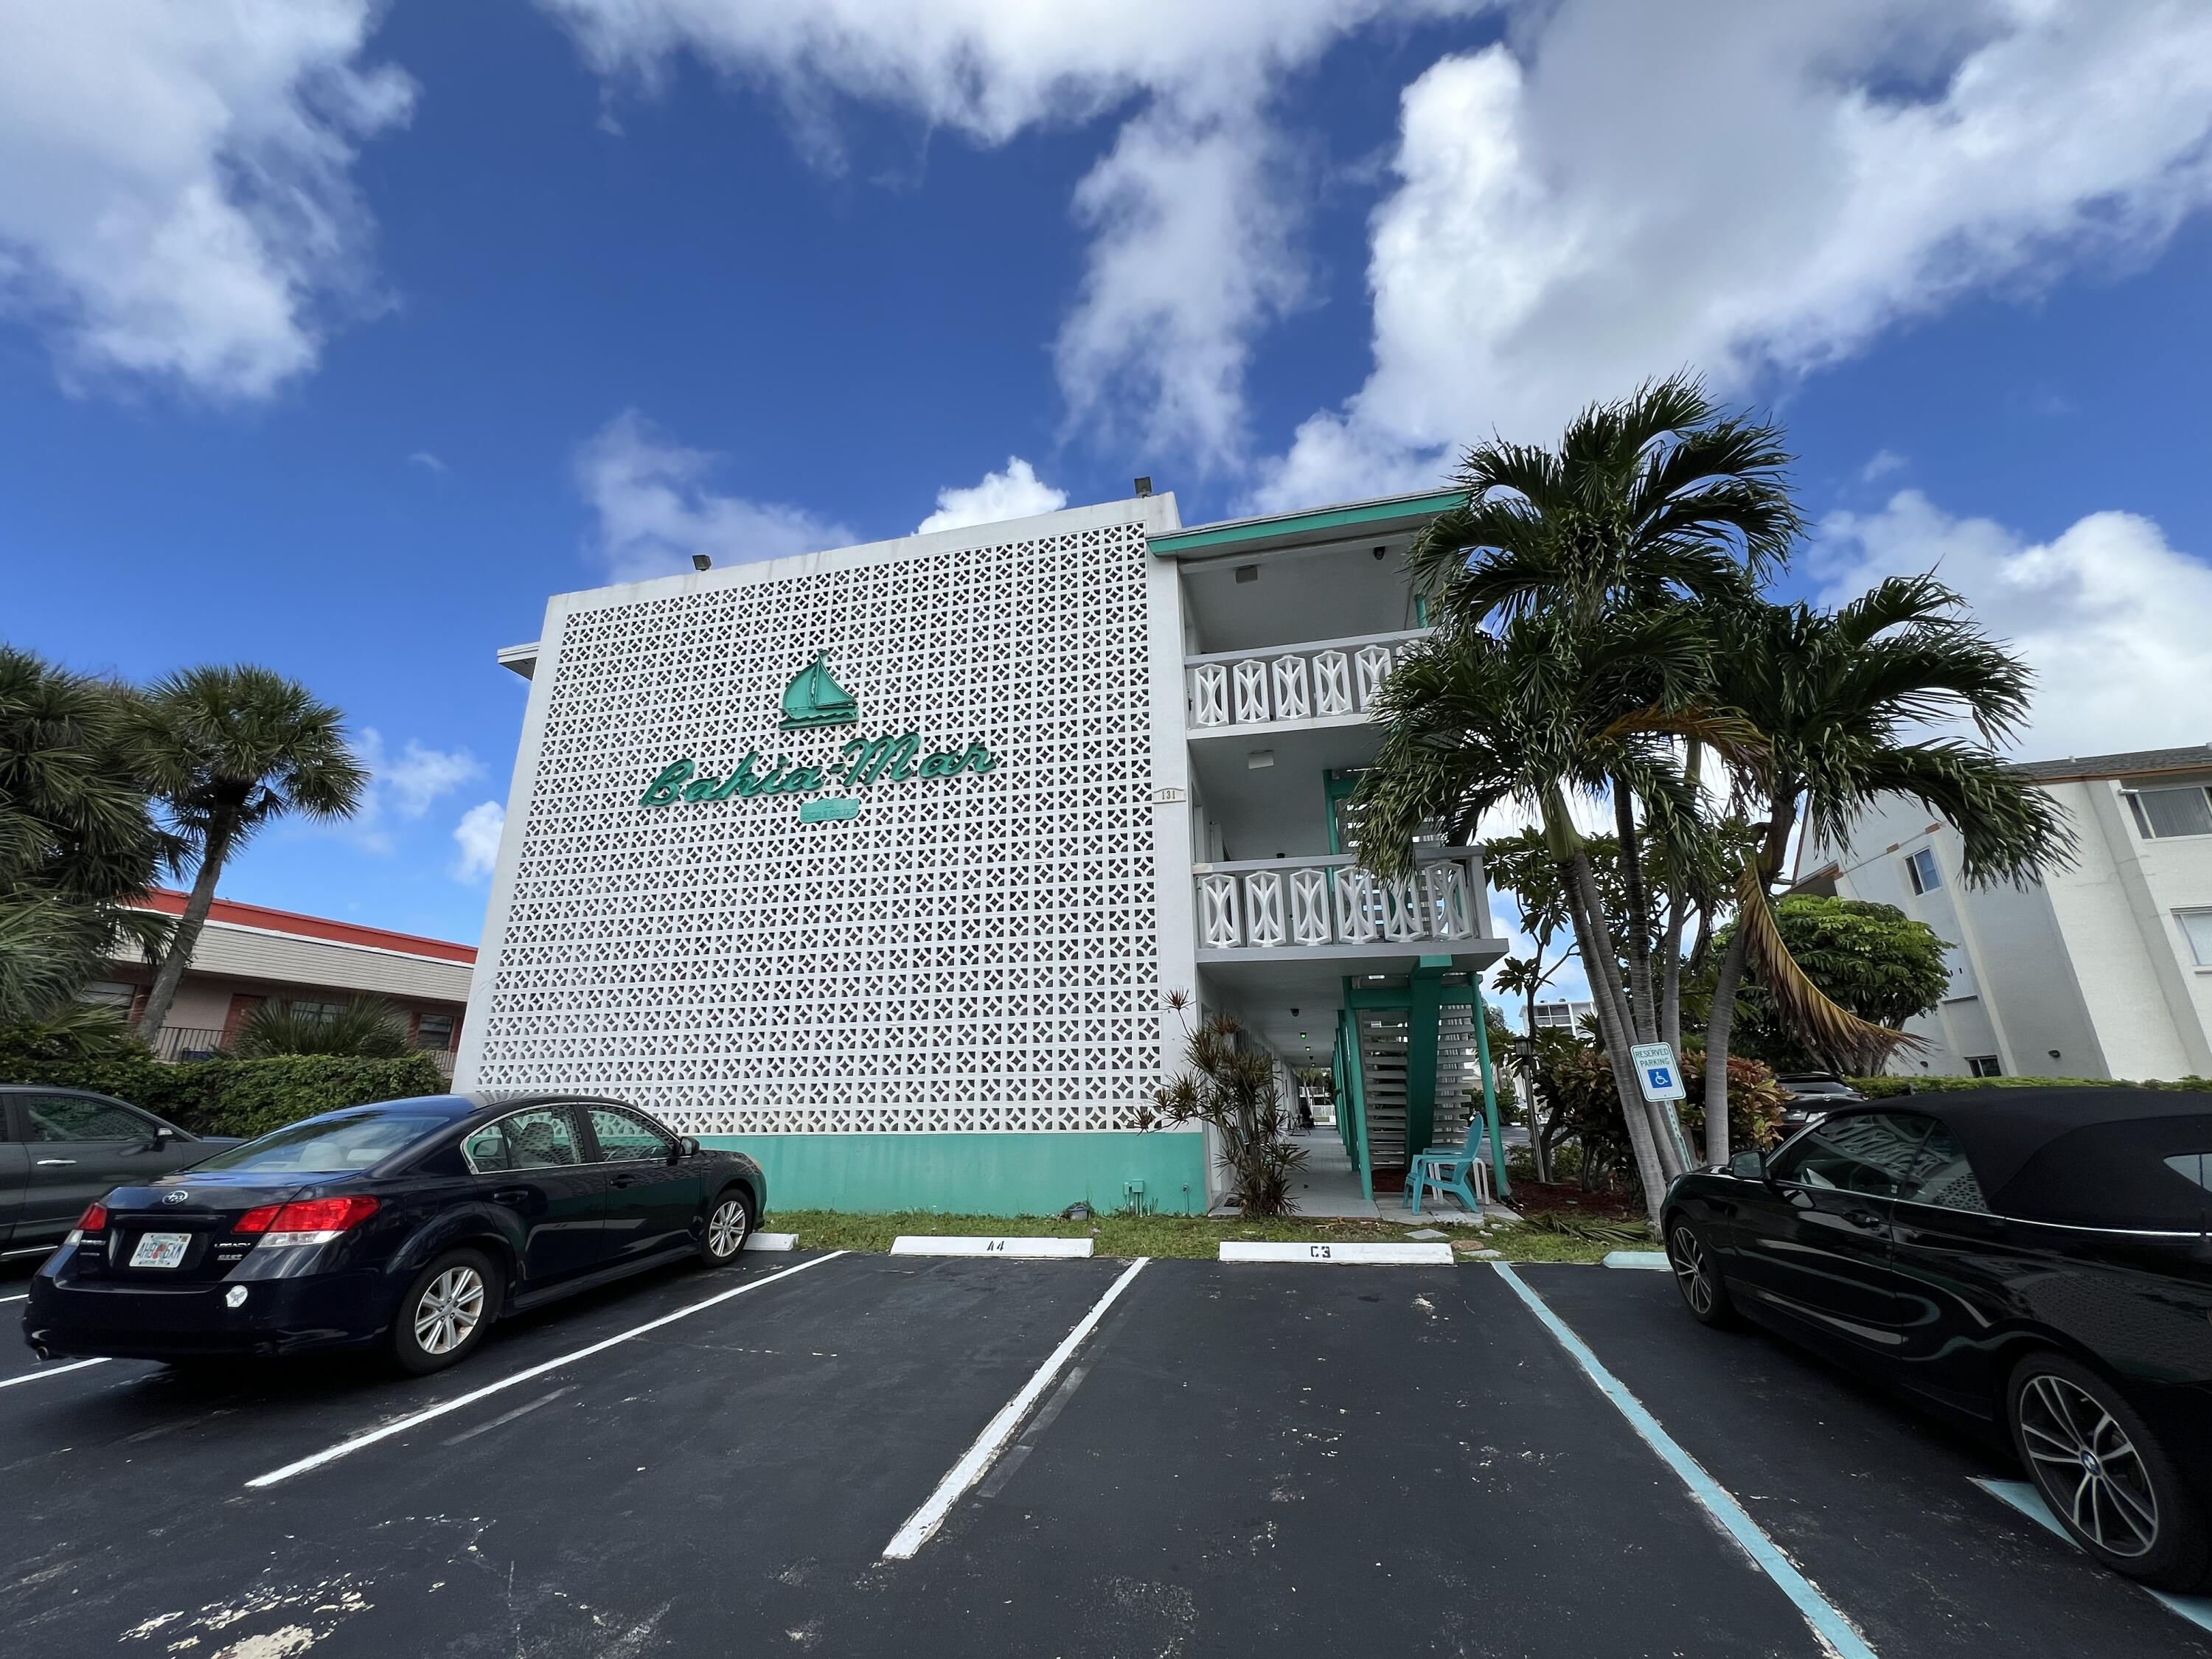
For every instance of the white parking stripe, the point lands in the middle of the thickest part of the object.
(1833, 1629)
(25, 1296)
(347, 1448)
(923, 1523)
(50, 1370)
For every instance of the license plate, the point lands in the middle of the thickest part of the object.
(160, 1249)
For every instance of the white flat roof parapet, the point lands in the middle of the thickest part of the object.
(1157, 514)
(520, 658)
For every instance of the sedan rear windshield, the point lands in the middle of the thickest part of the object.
(330, 1146)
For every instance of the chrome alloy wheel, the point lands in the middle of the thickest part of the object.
(1690, 1274)
(451, 1308)
(2087, 1467)
(726, 1228)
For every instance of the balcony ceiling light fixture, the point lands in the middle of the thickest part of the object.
(1260, 759)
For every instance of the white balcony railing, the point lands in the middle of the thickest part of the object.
(1271, 904)
(1302, 681)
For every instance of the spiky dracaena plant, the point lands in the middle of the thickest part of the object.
(1232, 1090)
(1845, 698)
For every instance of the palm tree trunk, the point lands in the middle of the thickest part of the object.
(1780, 818)
(1613, 1030)
(1643, 1010)
(1717, 1048)
(1540, 1155)
(1670, 968)
(1665, 1131)
(171, 974)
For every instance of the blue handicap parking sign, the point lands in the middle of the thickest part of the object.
(1662, 1077)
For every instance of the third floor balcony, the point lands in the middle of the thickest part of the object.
(1321, 680)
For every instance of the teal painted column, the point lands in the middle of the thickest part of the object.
(1501, 1186)
(1363, 1154)
(1424, 1015)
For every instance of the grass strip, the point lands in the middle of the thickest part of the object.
(1197, 1238)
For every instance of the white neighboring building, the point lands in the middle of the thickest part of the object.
(2102, 970)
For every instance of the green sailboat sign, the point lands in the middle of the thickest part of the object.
(813, 700)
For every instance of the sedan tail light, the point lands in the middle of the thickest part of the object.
(94, 1220)
(309, 1221)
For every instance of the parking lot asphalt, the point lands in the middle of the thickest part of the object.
(1236, 1460)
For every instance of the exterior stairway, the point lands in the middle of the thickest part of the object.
(1382, 1073)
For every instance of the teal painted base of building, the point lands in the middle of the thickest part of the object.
(1019, 1174)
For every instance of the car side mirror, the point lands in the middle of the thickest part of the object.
(1748, 1166)
(685, 1147)
(163, 1135)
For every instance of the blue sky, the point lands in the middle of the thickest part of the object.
(335, 336)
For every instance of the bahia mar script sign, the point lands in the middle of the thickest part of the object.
(813, 701)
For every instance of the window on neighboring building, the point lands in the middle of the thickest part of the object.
(323, 1012)
(108, 994)
(2197, 928)
(1921, 867)
(1984, 1065)
(2163, 812)
(435, 1031)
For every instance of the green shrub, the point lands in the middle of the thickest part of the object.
(1882, 1088)
(237, 1096)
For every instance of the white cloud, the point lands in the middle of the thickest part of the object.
(1753, 191)
(1192, 254)
(175, 203)
(655, 510)
(1881, 463)
(477, 836)
(403, 786)
(1017, 493)
(1194, 212)
(2112, 618)
(429, 462)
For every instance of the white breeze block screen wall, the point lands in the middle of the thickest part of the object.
(975, 952)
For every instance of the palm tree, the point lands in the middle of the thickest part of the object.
(1658, 499)
(1568, 591)
(78, 842)
(1544, 708)
(366, 1027)
(239, 747)
(1838, 696)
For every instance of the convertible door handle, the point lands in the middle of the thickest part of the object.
(1865, 1218)
(625, 1181)
(56, 1163)
(512, 1195)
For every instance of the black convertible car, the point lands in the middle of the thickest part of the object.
(410, 1225)
(2031, 1262)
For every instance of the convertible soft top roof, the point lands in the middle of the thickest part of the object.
(2085, 1157)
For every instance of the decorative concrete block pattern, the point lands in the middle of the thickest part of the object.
(978, 952)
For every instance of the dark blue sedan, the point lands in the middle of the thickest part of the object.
(410, 1226)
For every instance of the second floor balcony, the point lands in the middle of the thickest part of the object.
(1322, 679)
(1332, 907)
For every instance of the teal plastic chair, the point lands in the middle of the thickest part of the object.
(1462, 1173)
